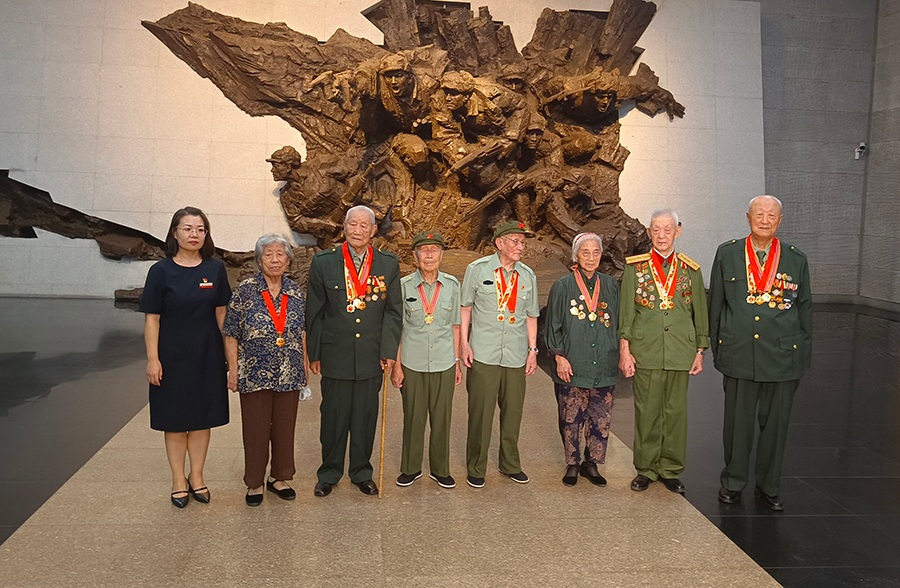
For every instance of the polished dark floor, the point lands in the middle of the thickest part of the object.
(841, 523)
(71, 375)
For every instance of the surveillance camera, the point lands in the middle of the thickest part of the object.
(861, 150)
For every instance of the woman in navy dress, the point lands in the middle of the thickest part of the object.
(184, 302)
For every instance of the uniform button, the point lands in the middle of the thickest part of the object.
(667, 328)
(720, 340)
(667, 313)
(732, 279)
(756, 336)
(756, 318)
(335, 287)
(794, 345)
(593, 344)
(357, 335)
(595, 363)
(431, 346)
(357, 320)
(432, 332)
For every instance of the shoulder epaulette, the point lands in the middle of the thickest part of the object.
(688, 261)
(637, 258)
(449, 277)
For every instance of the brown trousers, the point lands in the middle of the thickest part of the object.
(268, 417)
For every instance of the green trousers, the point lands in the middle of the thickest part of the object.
(774, 401)
(660, 422)
(489, 386)
(427, 395)
(349, 407)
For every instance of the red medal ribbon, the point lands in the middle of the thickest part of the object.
(428, 305)
(278, 318)
(506, 293)
(356, 282)
(591, 301)
(761, 279)
(666, 289)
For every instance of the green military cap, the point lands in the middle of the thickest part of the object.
(510, 227)
(426, 238)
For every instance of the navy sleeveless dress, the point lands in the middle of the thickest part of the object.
(193, 392)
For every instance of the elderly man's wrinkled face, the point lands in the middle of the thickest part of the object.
(429, 256)
(764, 217)
(274, 260)
(663, 232)
(589, 255)
(455, 99)
(398, 81)
(511, 246)
(359, 229)
(190, 233)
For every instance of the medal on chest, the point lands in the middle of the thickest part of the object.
(356, 282)
(665, 286)
(429, 305)
(279, 317)
(591, 300)
(764, 286)
(506, 294)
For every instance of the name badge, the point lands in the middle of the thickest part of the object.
(206, 283)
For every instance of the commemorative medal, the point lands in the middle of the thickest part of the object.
(764, 283)
(429, 305)
(592, 316)
(357, 282)
(591, 300)
(665, 286)
(279, 317)
(506, 293)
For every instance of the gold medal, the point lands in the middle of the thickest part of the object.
(781, 306)
(361, 305)
(592, 316)
(759, 300)
(606, 324)
(751, 299)
(772, 304)
(500, 318)
(512, 320)
(573, 310)
(429, 319)
(650, 305)
(374, 296)
(350, 308)
(279, 341)
(766, 297)
(581, 316)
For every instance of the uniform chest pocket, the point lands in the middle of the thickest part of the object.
(735, 284)
(335, 286)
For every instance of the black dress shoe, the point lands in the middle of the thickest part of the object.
(729, 496)
(770, 502)
(589, 471)
(284, 494)
(673, 484)
(640, 483)
(368, 487)
(571, 477)
(181, 501)
(253, 499)
(323, 488)
(199, 494)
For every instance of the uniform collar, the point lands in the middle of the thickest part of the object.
(418, 279)
(495, 263)
(666, 260)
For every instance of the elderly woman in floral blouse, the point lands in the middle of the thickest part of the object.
(582, 334)
(265, 345)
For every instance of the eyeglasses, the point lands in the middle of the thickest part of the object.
(188, 230)
(516, 242)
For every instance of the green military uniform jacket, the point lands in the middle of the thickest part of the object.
(350, 345)
(658, 338)
(754, 341)
(591, 347)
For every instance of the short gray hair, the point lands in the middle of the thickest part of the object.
(361, 208)
(271, 239)
(754, 199)
(582, 238)
(665, 212)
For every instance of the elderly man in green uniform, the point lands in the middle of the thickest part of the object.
(760, 318)
(499, 300)
(427, 369)
(663, 333)
(353, 314)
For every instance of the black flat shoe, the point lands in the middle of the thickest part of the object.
(640, 483)
(284, 494)
(253, 499)
(729, 496)
(181, 501)
(770, 502)
(571, 477)
(673, 484)
(199, 494)
(323, 488)
(589, 471)
(368, 487)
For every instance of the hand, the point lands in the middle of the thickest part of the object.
(467, 355)
(397, 375)
(697, 367)
(564, 369)
(458, 374)
(627, 364)
(531, 363)
(154, 372)
(315, 367)
(232, 380)
(387, 365)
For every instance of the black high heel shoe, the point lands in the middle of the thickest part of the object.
(181, 501)
(199, 494)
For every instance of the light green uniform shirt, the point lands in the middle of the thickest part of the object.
(424, 347)
(496, 342)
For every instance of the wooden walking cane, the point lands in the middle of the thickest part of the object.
(383, 420)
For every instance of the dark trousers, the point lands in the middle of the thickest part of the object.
(489, 386)
(774, 401)
(268, 418)
(584, 412)
(427, 394)
(349, 407)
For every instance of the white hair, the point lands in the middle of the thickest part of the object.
(360, 208)
(271, 239)
(582, 238)
(665, 212)
(752, 200)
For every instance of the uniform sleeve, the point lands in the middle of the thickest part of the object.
(454, 304)
(534, 308)
(315, 308)
(716, 300)
(626, 309)
(392, 321)
(701, 313)
(614, 302)
(554, 336)
(804, 309)
(224, 288)
(234, 316)
(467, 293)
(154, 291)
